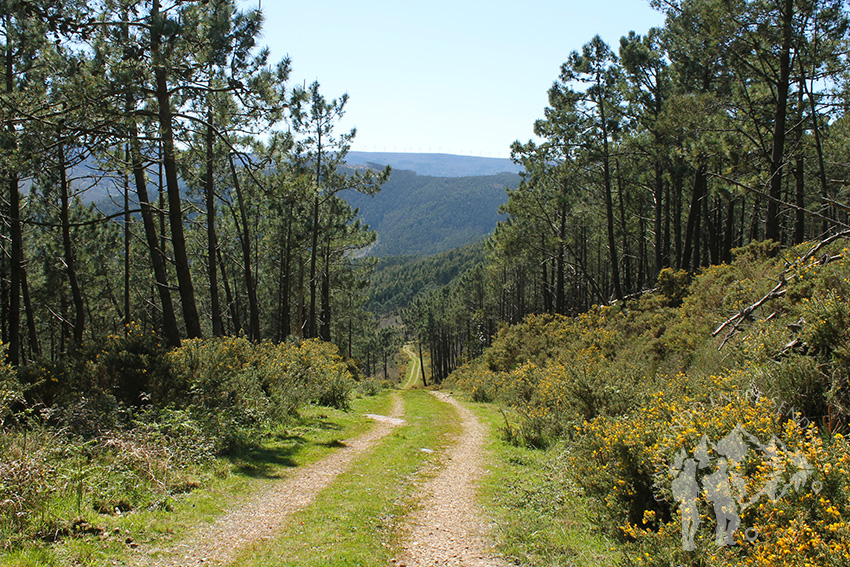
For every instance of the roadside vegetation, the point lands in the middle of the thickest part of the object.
(537, 512)
(614, 401)
(86, 475)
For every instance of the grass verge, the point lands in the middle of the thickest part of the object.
(95, 539)
(357, 520)
(538, 516)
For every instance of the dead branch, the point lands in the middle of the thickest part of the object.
(778, 290)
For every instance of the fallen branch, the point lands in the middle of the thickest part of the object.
(778, 290)
(744, 314)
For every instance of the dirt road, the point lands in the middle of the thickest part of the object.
(267, 510)
(448, 529)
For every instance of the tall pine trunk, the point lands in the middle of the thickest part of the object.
(314, 243)
(772, 228)
(658, 209)
(68, 248)
(175, 203)
(691, 252)
(245, 238)
(609, 205)
(16, 260)
(325, 326)
(169, 319)
(212, 242)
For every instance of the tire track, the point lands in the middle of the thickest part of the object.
(415, 371)
(268, 510)
(448, 529)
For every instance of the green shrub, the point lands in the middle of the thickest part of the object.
(237, 388)
(673, 285)
(371, 386)
(127, 426)
(224, 388)
(335, 391)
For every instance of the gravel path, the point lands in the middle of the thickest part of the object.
(448, 530)
(263, 515)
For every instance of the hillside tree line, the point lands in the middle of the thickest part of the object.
(661, 155)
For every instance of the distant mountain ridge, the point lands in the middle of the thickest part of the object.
(414, 213)
(435, 165)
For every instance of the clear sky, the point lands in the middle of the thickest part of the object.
(451, 76)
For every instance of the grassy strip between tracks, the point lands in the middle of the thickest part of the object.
(358, 520)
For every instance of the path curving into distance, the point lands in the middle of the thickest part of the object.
(414, 372)
(447, 528)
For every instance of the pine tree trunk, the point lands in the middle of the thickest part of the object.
(245, 238)
(169, 319)
(609, 206)
(16, 260)
(212, 241)
(70, 260)
(678, 182)
(666, 256)
(127, 316)
(690, 254)
(818, 144)
(422, 365)
(730, 231)
(772, 228)
(232, 303)
(175, 203)
(627, 255)
(285, 311)
(560, 259)
(658, 209)
(16, 269)
(325, 326)
(34, 347)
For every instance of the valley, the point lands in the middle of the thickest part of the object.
(227, 337)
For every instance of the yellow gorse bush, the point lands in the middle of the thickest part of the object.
(640, 388)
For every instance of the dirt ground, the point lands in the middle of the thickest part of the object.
(267, 510)
(448, 529)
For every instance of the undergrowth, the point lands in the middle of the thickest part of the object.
(131, 427)
(634, 396)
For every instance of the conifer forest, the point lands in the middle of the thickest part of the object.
(192, 305)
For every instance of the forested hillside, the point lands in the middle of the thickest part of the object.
(437, 165)
(396, 280)
(420, 215)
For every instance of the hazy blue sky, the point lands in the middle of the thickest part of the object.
(453, 76)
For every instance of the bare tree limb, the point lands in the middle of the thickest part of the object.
(778, 290)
